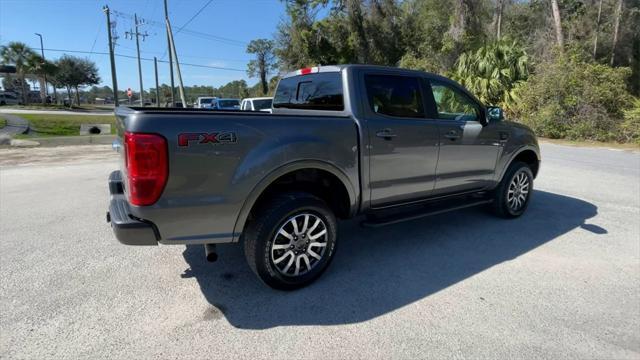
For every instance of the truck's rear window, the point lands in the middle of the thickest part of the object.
(321, 91)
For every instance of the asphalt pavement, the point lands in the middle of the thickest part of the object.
(563, 281)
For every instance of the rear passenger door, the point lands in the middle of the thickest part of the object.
(468, 150)
(403, 149)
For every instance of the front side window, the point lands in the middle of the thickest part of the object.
(452, 104)
(393, 95)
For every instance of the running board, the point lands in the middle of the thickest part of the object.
(433, 210)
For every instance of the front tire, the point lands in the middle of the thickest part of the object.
(291, 240)
(511, 197)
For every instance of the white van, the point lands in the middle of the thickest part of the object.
(204, 102)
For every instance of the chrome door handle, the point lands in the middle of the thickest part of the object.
(386, 134)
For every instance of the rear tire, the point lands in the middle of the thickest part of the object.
(291, 240)
(511, 197)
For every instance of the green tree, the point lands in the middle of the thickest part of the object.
(570, 96)
(74, 72)
(42, 69)
(233, 89)
(20, 55)
(493, 72)
(264, 63)
(293, 34)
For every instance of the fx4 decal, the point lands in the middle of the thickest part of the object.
(222, 137)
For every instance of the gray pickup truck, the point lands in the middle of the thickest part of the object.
(387, 143)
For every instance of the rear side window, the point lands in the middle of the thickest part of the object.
(262, 104)
(229, 103)
(393, 95)
(322, 91)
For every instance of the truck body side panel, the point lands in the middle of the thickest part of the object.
(209, 182)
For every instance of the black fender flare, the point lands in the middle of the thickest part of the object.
(283, 170)
(515, 154)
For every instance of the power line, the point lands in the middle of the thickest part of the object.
(146, 59)
(184, 56)
(96, 38)
(159, 24)
(194, 16)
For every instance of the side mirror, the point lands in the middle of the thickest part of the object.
(494, 113)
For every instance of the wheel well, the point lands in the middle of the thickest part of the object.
(320, 183)
(530, 158)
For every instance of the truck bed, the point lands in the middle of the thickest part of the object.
(218, 159)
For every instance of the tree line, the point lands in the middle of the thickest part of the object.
(581, 58)
(67, 72)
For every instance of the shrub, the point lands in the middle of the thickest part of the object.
(493, 71)
(569, 97)
(631, 124)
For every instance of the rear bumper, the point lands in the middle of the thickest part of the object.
(128, 230)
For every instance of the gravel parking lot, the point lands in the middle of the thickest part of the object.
(563, 281)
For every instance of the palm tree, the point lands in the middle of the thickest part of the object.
(493, 72)
(19, 54)
(38, 66)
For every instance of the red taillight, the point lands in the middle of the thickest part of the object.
(147, 167)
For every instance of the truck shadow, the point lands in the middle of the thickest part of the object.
(376, 271)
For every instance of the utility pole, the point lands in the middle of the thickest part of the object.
(46, 88)
(175, 56)
(137, 35)
(166, 17)
(155, 67)
(112, 58)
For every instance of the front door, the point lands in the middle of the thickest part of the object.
(403, 141)
(468, 150)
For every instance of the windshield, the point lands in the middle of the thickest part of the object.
(206, 101)
(262, 104)
(228, 103)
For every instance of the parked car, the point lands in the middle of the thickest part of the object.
(204, 102)
(226, 104)
(147, 102)
(168, 104)
(7, 98)
(388, 143)
(257, 104)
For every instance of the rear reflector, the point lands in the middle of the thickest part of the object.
(147, 167)
(306, 71)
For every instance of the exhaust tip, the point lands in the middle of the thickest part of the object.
(210, 252)
(212, 257)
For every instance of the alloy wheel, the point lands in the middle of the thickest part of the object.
(299, 245)
(518, 191)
